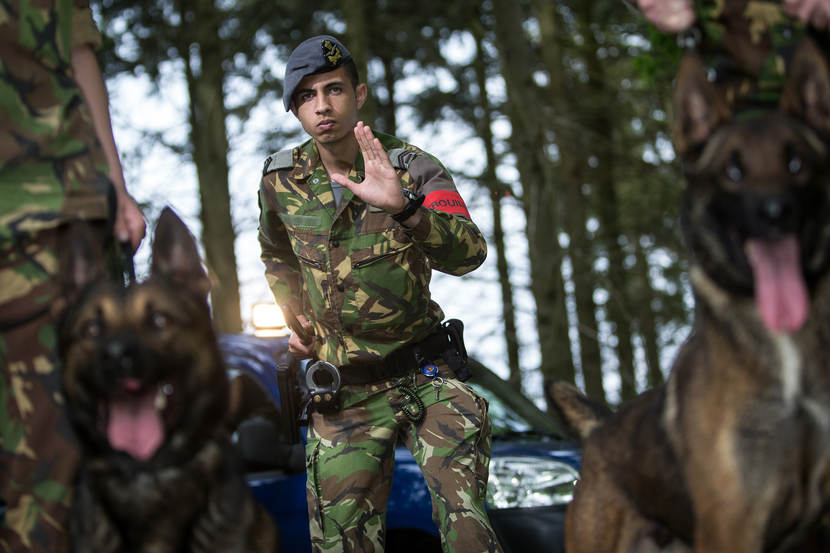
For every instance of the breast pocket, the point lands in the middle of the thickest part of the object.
(307, 237)
(388, 288)
(375, 220)
(380, 246)
(301, 222)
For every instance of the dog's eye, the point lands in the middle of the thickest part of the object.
(158, 320)
(92, 329)
(734, 172)
(795, 165)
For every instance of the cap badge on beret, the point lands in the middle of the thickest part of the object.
(332, 53)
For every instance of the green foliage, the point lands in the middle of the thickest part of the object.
(659, 64)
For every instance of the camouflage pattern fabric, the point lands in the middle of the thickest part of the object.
(361, 278)
(363, 281)
(748, 45)
(350, 456)
(51, 165)
(38, 454)
(51, 169)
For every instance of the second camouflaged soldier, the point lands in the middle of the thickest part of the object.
(58, 163)
(351, 225)
(746, 44)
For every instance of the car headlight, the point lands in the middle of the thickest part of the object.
(525, 481)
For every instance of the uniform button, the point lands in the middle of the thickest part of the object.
(335, 243)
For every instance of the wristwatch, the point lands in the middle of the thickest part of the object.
(412, 205)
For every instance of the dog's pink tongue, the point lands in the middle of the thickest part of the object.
(780, 291)
(135, 425)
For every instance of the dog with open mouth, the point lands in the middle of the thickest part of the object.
(732, 454)
(148, 394)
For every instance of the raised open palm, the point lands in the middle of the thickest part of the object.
(380, 187)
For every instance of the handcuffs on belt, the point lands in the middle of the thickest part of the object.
(323, 383)
(323, 394)
(323, 379)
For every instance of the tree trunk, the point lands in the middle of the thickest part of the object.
(497, 192)
(386, 112)
(581, 252)
(573, 160)
(600, 126)
(538, 193)
(208, 135)
(358, 23)
(646, 321)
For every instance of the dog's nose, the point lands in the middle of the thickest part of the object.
(116, 353)
(773, 209)
(115, 349)
(774, 215)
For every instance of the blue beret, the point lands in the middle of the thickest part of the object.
(318, 54)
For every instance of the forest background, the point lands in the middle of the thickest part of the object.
(552, 115)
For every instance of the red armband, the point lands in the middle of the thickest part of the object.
(448, 202)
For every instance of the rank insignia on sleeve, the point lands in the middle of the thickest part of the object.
(331, 52)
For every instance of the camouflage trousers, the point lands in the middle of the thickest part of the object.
(350, 459)
(38, 453)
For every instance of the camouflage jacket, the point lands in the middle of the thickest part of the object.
(50, 162)
(748, 45)
(360, 277)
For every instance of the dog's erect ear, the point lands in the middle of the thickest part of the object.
(698, 106)
(807, 90)
(81, 262)
(175, 256)
(580, 414)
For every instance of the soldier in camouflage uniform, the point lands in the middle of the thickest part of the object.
(351, 256)
(746, 43)
(57, 162)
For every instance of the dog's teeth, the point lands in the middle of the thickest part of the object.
(161, 400)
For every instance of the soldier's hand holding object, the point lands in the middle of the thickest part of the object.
(381, 186)
(300, 349)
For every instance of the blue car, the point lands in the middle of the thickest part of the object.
(532, 472)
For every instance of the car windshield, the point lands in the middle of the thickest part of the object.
(506, 421)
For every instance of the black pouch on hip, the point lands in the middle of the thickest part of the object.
(456, 354)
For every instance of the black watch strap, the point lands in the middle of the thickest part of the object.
(412, 205)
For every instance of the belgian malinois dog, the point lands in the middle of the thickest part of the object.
(732, 454)
(148, 394)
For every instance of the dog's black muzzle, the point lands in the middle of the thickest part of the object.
(122, 356)
(770, 216)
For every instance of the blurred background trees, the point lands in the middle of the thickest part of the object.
(553, 115)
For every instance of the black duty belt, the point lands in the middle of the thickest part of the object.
(401, 362)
